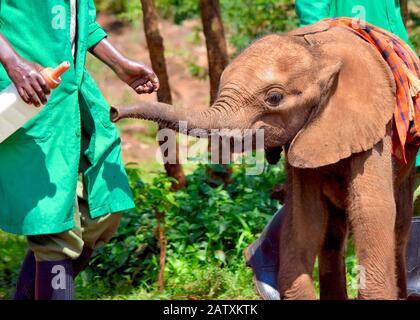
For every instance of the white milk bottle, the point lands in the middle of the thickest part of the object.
(14, 112)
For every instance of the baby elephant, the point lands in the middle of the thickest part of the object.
(328, 98)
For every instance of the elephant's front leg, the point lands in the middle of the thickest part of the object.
(332, 266)
(301, 235)
(371, 215)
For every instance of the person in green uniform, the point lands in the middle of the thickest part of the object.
(382, 13)
(62, 179)
(263, 254)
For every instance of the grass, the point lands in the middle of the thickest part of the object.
(211, 282)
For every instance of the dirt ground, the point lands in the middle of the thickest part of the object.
(186, 55)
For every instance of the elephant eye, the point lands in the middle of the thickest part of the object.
(273, 99)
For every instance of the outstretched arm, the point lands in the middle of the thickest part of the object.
(135, 73)
(312, 11)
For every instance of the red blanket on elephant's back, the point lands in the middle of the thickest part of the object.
(405, 66)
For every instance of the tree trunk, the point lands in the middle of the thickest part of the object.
(157, 58)
(218, 59)
(215, 41)
(163, 243)
(404, 10)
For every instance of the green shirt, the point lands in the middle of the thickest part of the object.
(39, 163)
(382, 13)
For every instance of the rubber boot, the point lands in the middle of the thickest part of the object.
(54, 280)
(82, 262)
(413, 260)
(263, 257)
(25, 286)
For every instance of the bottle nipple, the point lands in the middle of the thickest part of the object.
(52, 75)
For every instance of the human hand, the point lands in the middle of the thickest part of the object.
(138, 76)
(28, 80)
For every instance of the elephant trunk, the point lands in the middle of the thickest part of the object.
(176, 118)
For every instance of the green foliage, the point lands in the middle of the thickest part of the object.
(116, 6)
(207, 227)
(197, 71)
(178, 10)
(247, 19)
(206, 282)
(414, 27)
(12, 251)
(127, 10)
(244, 20)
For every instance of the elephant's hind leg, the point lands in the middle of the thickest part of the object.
(332, 268)
(404, 203)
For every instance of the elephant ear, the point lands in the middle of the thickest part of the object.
(357, 101)
(310, 29)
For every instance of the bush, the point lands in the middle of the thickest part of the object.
(207, 228)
